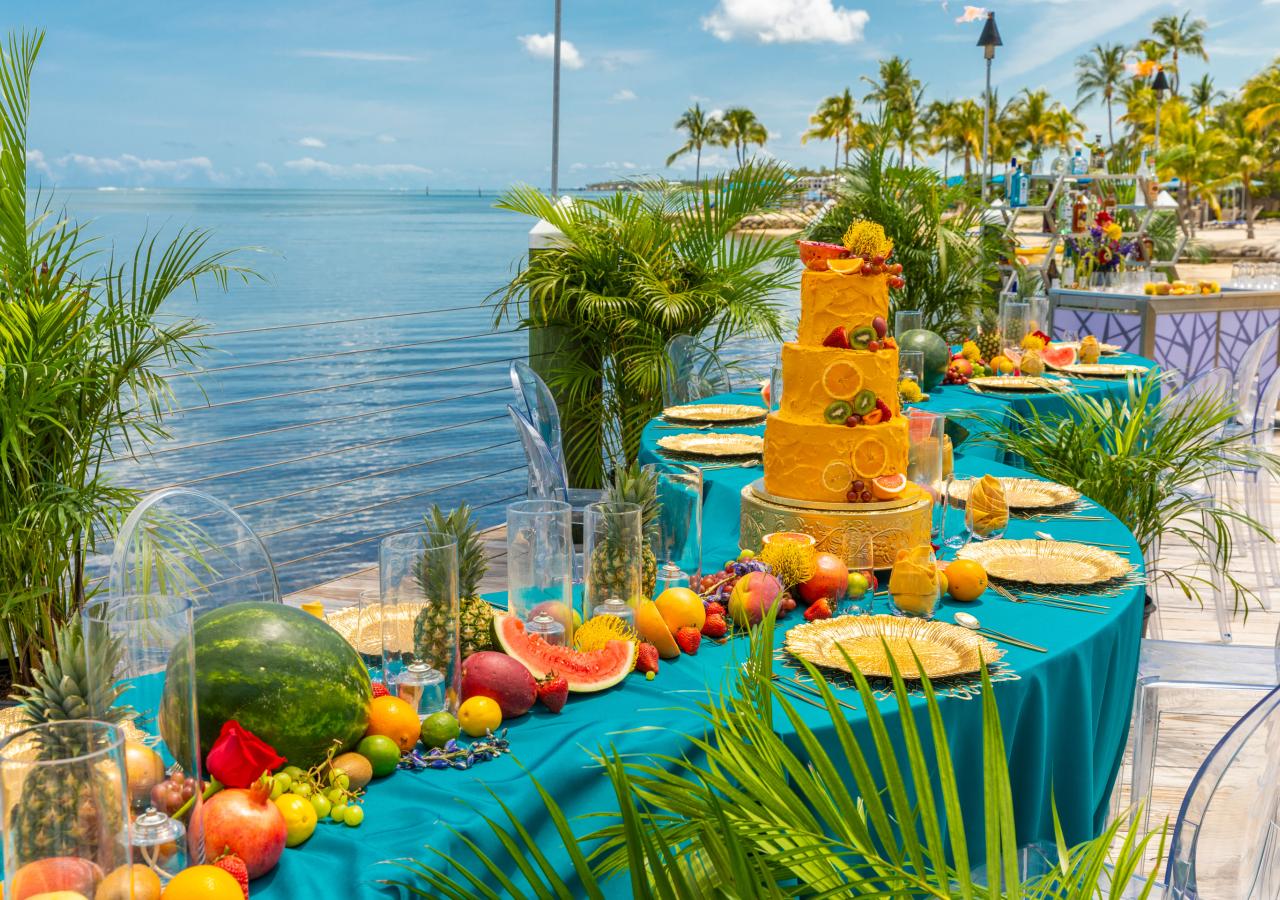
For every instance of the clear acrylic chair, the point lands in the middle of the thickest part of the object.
(693, 371)
(182, 542)
(1246, 375)
(539, 405)
(548, 479)
(1183, 676)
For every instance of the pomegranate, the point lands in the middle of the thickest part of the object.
(829, 581)
(245, 822)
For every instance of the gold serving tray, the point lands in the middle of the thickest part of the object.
(1024, 493)
(715, 412)
(1046, 562)
(910, 495)
(1017, 383)
(713, 445)
(361, 627)
(944, 650)
(1105, 370)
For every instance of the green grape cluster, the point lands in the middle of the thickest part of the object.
(328, 789)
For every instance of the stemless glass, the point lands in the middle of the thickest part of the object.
(990, 525)
(905, 320)
(858, 552)
(910, 368)
(925, 455)
(612, 560)
(64, 807)
(418, 580)
(154, 634)
(540, 560)
(679, 531)
(1015, 324)
(913, 584)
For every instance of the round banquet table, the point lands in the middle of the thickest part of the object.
(1065, 716)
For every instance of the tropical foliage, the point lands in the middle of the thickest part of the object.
(1147, 459)
(702, 130)
(836, 117)
(739, 129)
(637, 268)
(769, 809)
(945, 268)
(84, 337)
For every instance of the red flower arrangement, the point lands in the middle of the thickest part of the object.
(239, 757)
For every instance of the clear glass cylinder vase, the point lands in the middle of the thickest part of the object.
(540, 561)
(612, 553)
(418, 588)
(64, 808)
(676, 541)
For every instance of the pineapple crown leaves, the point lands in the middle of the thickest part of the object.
(639, 485)
(460, 525)
(69, 686)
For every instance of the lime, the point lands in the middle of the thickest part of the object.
(382, 752)
(478, 715)
(438, 729)
(299, 818)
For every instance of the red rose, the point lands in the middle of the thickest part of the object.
(239, 757)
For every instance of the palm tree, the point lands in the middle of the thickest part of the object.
(1193, 155)
(1180, 35)
(740, 129)
(940, 127)
(898, 95)
(1262, 96)
(967, 126)
(1139, 102)
(836, 117)
(701, 130)
(1098, 74)
(1061, 127)
(1249, 152)
(1203, 96)
(1029, 119)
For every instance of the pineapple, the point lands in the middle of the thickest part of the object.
(475, 617)
(638, 485)
(989, 336)
(58, 814)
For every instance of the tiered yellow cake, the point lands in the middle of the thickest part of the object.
(831, 436)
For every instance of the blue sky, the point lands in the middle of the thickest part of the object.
(313, 93)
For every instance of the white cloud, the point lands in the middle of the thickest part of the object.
(710, 161)
(786, 21)
(313, 142)
(1059, 31)
(386, 139)
(265, 168)
(129, 165)
(542, 46)
(623, 95)
(358, 56)
(36, 161)
(309, 166)
(578, 167)
(617, 59)
(716, 114)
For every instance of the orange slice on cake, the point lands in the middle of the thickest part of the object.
(869, 458)
(888, 487)
(837, 477)
(841, 380)
(845, 266)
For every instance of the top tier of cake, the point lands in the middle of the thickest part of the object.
(829, 300)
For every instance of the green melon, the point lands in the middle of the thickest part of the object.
(282, 673)
(585, 671)
(937, 355)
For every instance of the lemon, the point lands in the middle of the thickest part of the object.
(299, 818)
(477, 715)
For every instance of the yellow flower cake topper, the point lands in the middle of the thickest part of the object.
(867, 240)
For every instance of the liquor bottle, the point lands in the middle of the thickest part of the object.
(1078, 164)
(1024, 187)
(1096, 160)
(1009, 173)
(1079, 213)
(1064, 207)
(1060, 163)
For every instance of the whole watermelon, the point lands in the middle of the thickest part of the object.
(282, 673)
(937, 355)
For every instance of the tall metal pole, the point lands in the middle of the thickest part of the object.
(555, 111)
(986, 129)
(1157, 153)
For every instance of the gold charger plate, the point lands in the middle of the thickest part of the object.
(1046, 562)
(1017, 383)
(715, 412)
(715, 445)
(1105, 370)
(1104, 349)
(361, 627)
(1024, 493)
(945, 650)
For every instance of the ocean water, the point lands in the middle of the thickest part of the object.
(393, 396)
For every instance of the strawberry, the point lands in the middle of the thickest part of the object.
(553, 691)
(236, 868)
(714, 609)
(380, 689)
(838, 338)
(885, 414)
(890, 344)
(818, 609)
(646, 658)
(715, 627)
(688, 639)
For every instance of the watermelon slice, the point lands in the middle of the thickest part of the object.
(1055, 356)
(586, 672)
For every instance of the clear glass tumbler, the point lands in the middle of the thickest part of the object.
(858, 553)
(612, 555)
(1015, 324)
(905, 320)
(986, 522)
(418, 580)
(678, 536)
(913, 584)
(540, 560)
(910, 369)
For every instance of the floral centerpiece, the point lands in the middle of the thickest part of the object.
(1101, 248)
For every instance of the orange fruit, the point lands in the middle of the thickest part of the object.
(966, 579)
(845, 266)
(394, 718)
(837, 476)
(203, 883)
(842, 380)
(681, 608)
(134, 882)
(888, 487)
(869, 458)
(653, 629)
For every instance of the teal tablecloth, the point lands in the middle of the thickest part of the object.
(1065, 719)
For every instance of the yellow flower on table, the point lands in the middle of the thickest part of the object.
(987, 510)
(1113, 231)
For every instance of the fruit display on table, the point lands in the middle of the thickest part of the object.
(432, 630)
(584, 671)
(1181, 288)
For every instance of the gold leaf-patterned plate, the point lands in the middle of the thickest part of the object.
(1104, 349)
(361, 626)
(1104, 370)
(944, 650)
(713, 445)
(1016, 383)
(1024, 493)
(1046, 562)
(717, 413)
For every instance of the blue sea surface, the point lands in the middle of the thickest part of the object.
(393, 396)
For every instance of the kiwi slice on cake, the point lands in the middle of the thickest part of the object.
(859, 338)
(863, 402)
(840, 410)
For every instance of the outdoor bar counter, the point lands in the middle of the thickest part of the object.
(1190, 334)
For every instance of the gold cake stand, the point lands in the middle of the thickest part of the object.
(891, 526)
